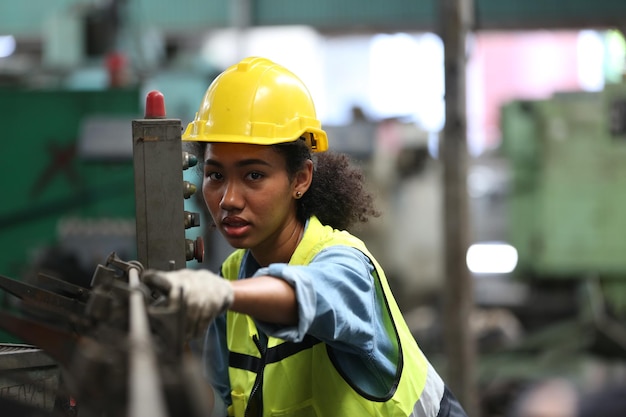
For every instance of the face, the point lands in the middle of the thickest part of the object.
(251, 198)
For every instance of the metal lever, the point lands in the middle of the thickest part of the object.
(41, 297)
(61, 287)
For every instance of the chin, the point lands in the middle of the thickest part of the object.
(237, 243)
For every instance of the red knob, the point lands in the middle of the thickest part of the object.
(155, 105)
(199, 249)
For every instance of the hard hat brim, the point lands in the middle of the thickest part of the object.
(317, 140)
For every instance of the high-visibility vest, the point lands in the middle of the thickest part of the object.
(300, 379)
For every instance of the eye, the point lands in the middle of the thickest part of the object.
(213, 175)
(255, 176)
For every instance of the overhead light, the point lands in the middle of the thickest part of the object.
(491, 258)
(7, 45)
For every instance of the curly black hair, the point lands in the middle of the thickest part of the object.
(337, 195)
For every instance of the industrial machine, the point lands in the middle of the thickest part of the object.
(567, 155)
(117, 348)
(113, 346)
(68, 181)
(568, 175)
(565, 217)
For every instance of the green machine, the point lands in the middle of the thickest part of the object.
(566, 218)
(564, 210)
(568, 158)
(67, 176)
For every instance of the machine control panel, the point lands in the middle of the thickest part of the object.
(160, 191)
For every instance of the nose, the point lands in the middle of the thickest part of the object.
(232, 198)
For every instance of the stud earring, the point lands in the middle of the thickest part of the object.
(298, 194)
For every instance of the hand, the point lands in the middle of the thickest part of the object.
(204, 294)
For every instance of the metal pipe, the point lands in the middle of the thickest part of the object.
(145, 389)
(455, 23)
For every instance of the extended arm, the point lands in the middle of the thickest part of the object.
(206, 295)
(266, 298)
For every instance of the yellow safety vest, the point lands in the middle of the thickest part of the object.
(299, 379)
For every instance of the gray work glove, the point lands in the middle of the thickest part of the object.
(204, 294)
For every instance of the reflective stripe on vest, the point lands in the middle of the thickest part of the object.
(430, 400)
(272, 355)
(302, 379)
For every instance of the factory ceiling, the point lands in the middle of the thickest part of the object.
(184, 17)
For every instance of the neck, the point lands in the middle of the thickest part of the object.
(284, 247)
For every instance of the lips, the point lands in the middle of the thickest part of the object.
(234, 227)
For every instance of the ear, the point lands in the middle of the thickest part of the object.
(302, 179)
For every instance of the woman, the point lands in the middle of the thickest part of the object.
(303, 322)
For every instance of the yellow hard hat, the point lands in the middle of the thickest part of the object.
(259, 102)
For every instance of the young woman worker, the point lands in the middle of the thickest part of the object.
(301, 320)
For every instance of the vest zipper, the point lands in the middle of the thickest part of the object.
(255, 402)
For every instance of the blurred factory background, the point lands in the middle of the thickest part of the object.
(545, 117)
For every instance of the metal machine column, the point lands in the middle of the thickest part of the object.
(160, 190)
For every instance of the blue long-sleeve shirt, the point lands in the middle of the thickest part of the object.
(338, 304)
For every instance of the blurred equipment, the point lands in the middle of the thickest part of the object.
(67, 165)
(29, 378)
(565, 218)
(567, 156)
(118, 344)
(73, 35)
(566, 211)
(547, 398)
